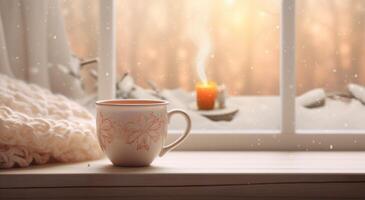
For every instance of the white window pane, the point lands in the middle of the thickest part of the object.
(159, 41)
(330, 49)
(82, 26)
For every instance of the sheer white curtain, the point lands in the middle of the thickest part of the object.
(34, 47)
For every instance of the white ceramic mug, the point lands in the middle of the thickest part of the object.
(132, 132)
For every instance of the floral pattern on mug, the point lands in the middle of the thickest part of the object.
(144, 129)
(105, 131)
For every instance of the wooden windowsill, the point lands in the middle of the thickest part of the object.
(232, 172)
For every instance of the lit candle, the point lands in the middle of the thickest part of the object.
(206, 93)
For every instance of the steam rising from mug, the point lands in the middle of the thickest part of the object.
(198, 16)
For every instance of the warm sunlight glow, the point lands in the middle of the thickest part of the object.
(234, 42)
(229, 2)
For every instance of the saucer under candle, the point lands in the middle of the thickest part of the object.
(206, 94)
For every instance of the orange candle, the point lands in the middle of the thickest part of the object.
(206, 93)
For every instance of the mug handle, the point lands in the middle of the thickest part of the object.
(171, 146)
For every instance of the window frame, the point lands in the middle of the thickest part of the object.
(288, 138)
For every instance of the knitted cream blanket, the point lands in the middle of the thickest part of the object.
(37, 126)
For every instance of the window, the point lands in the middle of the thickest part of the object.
(329, 54)
(163, 44)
